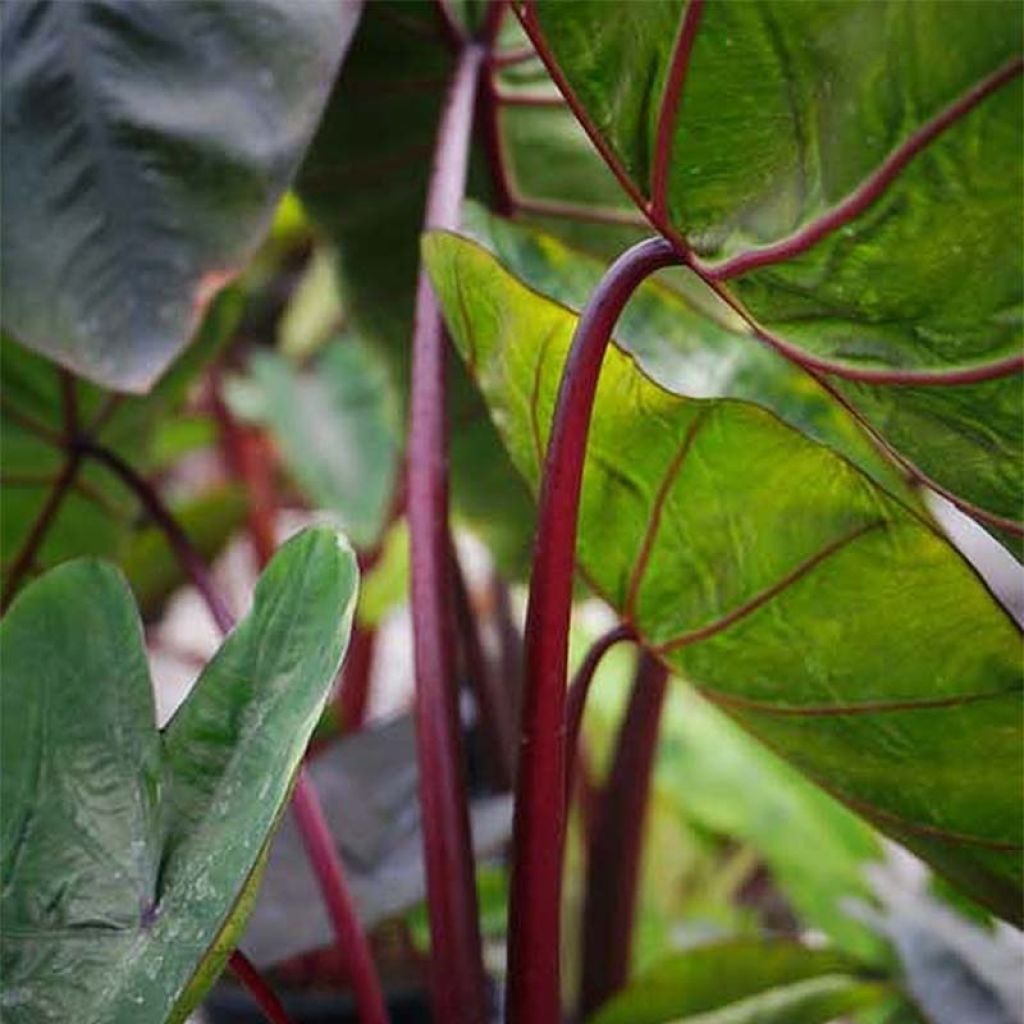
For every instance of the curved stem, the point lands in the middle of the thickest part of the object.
(457, 974)
(577, 700)
(319, 843)
(264, 995)
(535, 900)
(188, 557)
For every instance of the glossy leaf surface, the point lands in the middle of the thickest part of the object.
(125, 849)
(848, 173)
(745, 982)
(829, 618)
(336, 426)
(145, 148)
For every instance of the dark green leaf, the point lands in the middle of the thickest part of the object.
(745, 982)
(784, 112)
(830, 619)
(125, 850)
(146, 146)
(96, 514)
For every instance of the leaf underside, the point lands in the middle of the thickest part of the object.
(147, 144)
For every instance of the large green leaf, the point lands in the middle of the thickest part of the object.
(125, 849)
(336, 427)
(745, 982)
(826, 616)
(146, 146)
(784, 112)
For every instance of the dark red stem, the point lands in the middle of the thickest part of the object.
(494, 703)
(616, 844)
(578, 690)
(26, 556)
(323, 857)
(264, 995)
(873, 186)
(669, 112)
(188, 557)
(457, 974)
(354, 685)
(535, 901)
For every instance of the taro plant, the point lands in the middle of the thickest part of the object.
(801, 222)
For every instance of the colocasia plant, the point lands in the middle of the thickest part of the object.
(707, 309)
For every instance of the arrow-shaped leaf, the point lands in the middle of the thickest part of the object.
(125, 849)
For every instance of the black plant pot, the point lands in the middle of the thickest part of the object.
(228, 1004)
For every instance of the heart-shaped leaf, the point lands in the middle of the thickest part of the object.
(746, 982)
(848, 176)
(828, 617)
(146, 146)
(126, 849)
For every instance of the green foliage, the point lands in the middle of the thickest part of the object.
(97, 515)
(125, 849)
(745, 982)
(336, 428)
(827, 617)
(785, 112)
(145, 149)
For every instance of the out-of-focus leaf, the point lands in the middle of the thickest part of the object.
(956, 970)
(97, 514)
(745, 982)
(336, 427)
(367, 782)
(869, 188)
(381, 124)
(314, 314)
(718, 777)
(125, 849)
(146, 146)
(209, 520)
(386, 584)
(831, 620)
